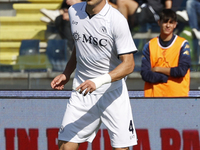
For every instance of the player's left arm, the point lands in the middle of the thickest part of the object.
(183, 64)
(124, 68)
(125, 48)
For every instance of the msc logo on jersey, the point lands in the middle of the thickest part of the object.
(89, 39)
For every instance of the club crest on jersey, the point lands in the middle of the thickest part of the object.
(89, 39)
(103, 29)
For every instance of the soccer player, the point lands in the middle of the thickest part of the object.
(102, 58)
(166, 61)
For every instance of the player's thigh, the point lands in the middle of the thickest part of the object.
(64, 145)
(81, 119)
(117, 117)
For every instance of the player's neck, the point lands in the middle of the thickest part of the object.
(95, 8)
(166, 37)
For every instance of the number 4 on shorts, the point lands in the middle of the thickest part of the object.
(131, 126)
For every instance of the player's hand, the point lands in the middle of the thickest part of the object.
(59, 81)
(87, 87)
(155, 69)
(163, 70)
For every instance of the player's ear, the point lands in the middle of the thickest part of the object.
(175, 24)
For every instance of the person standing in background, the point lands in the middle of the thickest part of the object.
(193, 11)
(166, 61)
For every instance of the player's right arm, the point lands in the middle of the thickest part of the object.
(59, 81)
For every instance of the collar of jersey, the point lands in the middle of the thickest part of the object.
(102, 12)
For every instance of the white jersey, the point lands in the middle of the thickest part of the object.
(99, 41)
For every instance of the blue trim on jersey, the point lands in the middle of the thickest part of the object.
(128, 53)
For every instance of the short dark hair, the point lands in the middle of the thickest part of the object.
(168, 14)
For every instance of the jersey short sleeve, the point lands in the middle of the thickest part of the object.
(122, 36)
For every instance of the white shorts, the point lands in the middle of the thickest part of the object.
(84, 115)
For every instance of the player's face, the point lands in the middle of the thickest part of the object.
(167, 27)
